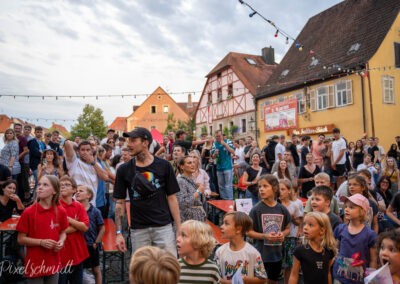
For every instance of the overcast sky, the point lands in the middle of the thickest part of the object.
(117, 47)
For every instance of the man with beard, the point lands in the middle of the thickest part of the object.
(152, 187)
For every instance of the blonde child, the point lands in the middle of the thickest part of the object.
(389, 252)
(356, 242)
(75, 251)
(315, 256)
(195, 243)
(296, 213)
(270, 226)
(93, 236)
(238, 253)
(152, 265)
(41, 229)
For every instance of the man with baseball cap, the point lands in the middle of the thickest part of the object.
(152, 188)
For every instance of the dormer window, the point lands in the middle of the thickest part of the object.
(251, 61)
(354, 48)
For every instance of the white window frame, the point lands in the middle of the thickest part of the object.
(301, 103)
(345, 92)
(388, 89)
(165, 109)
(322, 98)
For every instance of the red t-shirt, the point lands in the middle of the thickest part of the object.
(75, 250)
(40, 223)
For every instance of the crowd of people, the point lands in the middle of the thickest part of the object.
(63, 191)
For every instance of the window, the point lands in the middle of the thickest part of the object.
(388, 89)
(301, 103)
(230, 91)
(397, 54)
(325, 97)
(251, 61)
(344, 94)
(244, 125)
(322, 98)
(165, 109)
(220, 126)
(211, 132)
(209, 98)
(219, 95)
(153, 109)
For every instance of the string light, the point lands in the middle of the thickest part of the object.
(252, 14)
(276, 33)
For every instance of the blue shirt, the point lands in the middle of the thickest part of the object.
(224, 160)
(95, 221)
(101, 190)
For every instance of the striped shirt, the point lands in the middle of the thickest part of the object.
(206, 272)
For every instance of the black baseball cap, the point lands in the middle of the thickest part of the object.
(139, 132)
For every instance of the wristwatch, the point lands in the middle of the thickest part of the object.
(118, 232)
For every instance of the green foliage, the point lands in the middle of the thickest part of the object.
(90, 122)
(203, 130)
(188, 126)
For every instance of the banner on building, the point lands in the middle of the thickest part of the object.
(281, 115)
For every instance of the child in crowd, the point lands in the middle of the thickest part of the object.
(389, 252)
(320, 202)
(315, 257)
(41, 229)
(296, 213)
(238, 253)
(356, 242)
(152, 265)
(323, 179)
(75, 251)
(270, 226)
(393, 211)
(93, 236)
(195, 243)
(358, 184)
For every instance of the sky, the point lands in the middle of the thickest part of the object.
(120, 48)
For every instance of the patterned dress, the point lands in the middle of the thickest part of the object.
(190, 208)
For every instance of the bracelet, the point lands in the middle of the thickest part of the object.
(251, 182)
(199, 193)
(118, 232)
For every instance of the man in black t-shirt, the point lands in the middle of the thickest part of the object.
(373, 150)
(5, 173)
(152, 187)
(180, 137)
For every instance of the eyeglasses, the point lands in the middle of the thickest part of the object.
(65, 184)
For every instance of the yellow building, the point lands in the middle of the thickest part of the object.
(342, 71)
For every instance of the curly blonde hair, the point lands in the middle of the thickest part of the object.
(201, 236)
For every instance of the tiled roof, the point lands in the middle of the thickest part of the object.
(189, 111)
(119, 123)
(251, 75)
(5, 123)
(59, 127)
(342, 37)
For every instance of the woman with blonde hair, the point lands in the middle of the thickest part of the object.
(200, 176)
(391, 171)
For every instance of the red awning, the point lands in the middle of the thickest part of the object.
(157, 135)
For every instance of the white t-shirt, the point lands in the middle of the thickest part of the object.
(83, 174)
(240, 153)
(229, 261)
(371, 169)
(279, 149)
(338, 145)
(295, 211)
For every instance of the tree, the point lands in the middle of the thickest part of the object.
(188, 126)
(90, 122)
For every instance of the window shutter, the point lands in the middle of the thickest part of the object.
(331, 96)
(349, 91)
(313, 101)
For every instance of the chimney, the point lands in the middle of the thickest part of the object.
(189, 103)
(268, 55)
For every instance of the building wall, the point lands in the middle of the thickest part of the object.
(348, 118)
(228, 110)
(386, 116)
(144, 117)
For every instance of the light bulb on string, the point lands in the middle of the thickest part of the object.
(276, 33)
(287, 40)
(252, 14)
(301, 48)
